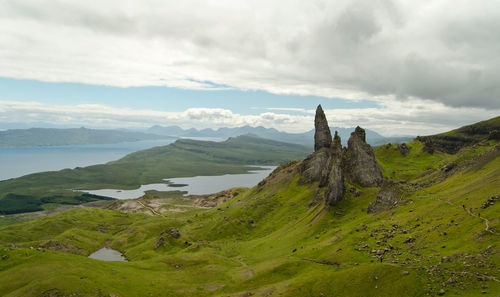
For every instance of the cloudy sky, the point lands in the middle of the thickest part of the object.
(397, 67)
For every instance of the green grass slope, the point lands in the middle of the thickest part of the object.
(269, 240)
(182, 158)
(453, 141)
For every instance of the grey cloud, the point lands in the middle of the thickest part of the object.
(461, 71)
(356, 24)
(445, 50)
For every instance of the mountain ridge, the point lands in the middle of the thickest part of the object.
(32, 137)
(305, 138)
(75, 136)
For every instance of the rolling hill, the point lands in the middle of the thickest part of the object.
(183, 158)
(436, 235)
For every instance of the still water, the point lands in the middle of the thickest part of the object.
(198, 185)
(106, 254)
(19, 161)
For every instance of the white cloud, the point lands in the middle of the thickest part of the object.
(294, 109)
(413, 117)
(442, 50)
(97, 115)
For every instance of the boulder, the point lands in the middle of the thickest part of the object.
(160, 242)
(450, 166)
(322, 134)
(361, 165)
(172, 232)
(403, 149)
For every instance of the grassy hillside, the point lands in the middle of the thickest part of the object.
(49, 137)
(452, 141)
(183, 158)
(269, 241)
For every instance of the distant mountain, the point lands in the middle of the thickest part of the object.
(306, 138)
(52, 137)
(170, 130)
(82, 136)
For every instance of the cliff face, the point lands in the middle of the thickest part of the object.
(451, 142)
(331, 164)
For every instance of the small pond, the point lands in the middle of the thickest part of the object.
(107, 254)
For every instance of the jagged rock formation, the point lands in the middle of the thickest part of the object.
(362, 167)
(330, 163)
(322, 134)
(315, 167)
(444, 143)
(335, 186)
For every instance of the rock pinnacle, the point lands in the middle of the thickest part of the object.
(322, 135)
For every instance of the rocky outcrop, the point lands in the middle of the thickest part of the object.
(494, 135)
(403, 149)
(335, 188)
(213, 200)
(315, 167)
(453, 141)
(55, 245)
(331, 164)
(445, 143)
(389, 196)
(325, 164)
(172, 233)
(335, 184)
(322, 134)
(361, 165)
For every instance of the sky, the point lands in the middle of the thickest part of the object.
(396, 67)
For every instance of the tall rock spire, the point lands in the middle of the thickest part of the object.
(331, 165)
(362, 167)
(322, 134)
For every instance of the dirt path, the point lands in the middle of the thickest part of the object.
(191, 206)
(486, 221)
(152, 210)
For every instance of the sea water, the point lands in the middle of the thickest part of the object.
(19, 161)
